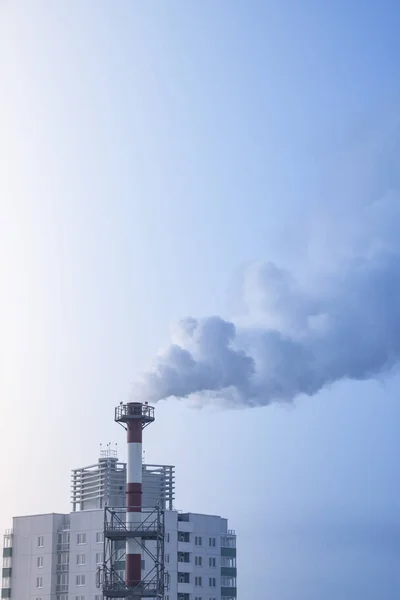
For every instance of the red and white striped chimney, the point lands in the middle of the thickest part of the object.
(134, 493)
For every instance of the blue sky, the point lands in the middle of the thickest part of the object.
(149, 152)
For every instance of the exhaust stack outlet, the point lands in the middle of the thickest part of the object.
(134, 416)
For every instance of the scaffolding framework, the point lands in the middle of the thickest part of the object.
(149, 534)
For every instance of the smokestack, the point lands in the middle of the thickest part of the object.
(134, 493)
(135, 416)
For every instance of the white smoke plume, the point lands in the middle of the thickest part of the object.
(299, 334)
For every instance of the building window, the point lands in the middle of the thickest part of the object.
(99, 558)
(6, 562)
(212, 542)
(228, 581)
(63, 559)
(167, 558)
(40, 541)
(198, 582)
(40, 562)
(99, 578)
(63, 537)
(81, 559)
(81, 538)
(198, 541)
(120, 554)
(62, 579)
(212, 562)
(168, 537)
(6, 583)
(39, 582)
(228, 561)
(183, 577)
(198, 561)
(99, 537)
(80, 580)
(198, 598)
(121, 575)
(79, 597)
(212, 582)
(184, 557)
(228, 541)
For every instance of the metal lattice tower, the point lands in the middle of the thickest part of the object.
(134, 532)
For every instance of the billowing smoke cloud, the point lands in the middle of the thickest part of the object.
(297, 336)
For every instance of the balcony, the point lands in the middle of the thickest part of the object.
(143, 590)
(184, 588)
(63, 547)
(63, 539)
(62, 568)
(7, 539)
(184, 557)
(229, 593)
(184, 564)
(185, 547)
(228, 541)
(183, 576)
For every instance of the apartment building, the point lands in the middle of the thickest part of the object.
(61, 556)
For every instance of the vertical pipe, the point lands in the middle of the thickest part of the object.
(134, 494)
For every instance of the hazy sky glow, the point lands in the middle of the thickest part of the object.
(149, 153)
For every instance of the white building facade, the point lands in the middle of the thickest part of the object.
(200, 557)
(60, 556)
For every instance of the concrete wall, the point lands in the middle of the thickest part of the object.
(88, 523)
(200, 529)
(26, 552)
